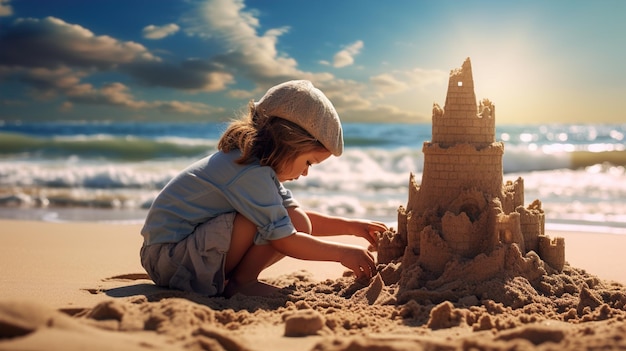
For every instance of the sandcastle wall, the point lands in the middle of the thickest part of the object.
(447, 171)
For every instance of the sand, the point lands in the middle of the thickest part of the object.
(79, 286)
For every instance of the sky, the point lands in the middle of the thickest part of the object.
(538, 61)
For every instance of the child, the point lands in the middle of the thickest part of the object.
(215, 226)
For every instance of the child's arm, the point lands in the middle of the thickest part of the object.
(306, 247)
(324, 225)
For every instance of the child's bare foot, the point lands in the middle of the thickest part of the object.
(253, 288)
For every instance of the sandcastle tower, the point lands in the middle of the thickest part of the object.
(462, 208)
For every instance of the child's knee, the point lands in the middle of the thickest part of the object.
(300, 220)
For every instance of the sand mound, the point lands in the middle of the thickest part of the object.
(340, 314)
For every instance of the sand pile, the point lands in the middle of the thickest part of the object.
(572, 310)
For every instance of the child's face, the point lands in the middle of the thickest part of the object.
(300, 165)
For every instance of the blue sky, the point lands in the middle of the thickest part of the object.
(378, 61)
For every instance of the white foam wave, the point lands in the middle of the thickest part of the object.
(365, 182)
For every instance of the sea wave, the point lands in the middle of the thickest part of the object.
(114, 149)
(359, 184)
(357, 168)
(79, 169)
(524, 159)
(102, 146)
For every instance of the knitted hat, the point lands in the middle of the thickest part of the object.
(300, 102)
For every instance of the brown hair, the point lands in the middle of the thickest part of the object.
(273, 140)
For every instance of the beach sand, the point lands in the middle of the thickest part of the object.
(80, 286)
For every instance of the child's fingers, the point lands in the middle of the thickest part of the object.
(373, 229)
(364, 265)
(368, 268)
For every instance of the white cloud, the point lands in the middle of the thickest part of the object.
(223, 19)
(423, 77)
(187, 107)
(358, 102)
(159, 32)
(5, 8)
(345, 57)
(252, 55)
(352, 106)
(416, 79)
(387, 83)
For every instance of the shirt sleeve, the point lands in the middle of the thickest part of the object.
(259, 196)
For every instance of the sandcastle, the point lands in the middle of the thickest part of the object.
(463, 222)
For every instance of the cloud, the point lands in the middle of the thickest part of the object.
(345, 57)
(160, 32)
(388, 84)
(413, 80)
(251, 55)
(51, 42)
(225, 19)
(192, 75)
(44, 83)
(382, 113)
(194, 108)
(353, 107)
(53, 57)
(117, 94)
(48, 84)
(5, 8)
(357, 102)
(423, 78)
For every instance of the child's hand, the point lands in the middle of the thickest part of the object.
(360, 261)
(369, 230)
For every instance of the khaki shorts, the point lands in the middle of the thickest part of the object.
(195, 264)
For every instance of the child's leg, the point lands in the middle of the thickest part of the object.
(245, 261)
(240, 242)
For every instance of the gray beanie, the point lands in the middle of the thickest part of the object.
(298, 101)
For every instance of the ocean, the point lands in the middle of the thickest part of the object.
(111, 171)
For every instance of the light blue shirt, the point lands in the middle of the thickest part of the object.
(216, 185)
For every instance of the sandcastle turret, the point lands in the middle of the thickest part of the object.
(462, 209)
(463, 153)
